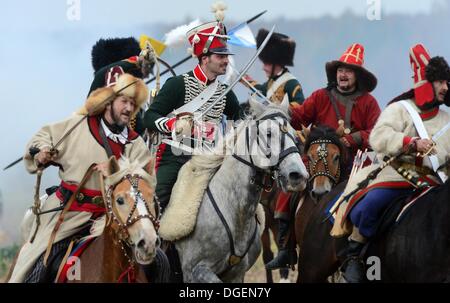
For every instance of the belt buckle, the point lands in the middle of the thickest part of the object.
(80, 197)
(97, 200)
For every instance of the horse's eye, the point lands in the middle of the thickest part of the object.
(120, 200)
(336, 158)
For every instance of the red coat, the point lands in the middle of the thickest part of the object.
(318, 110)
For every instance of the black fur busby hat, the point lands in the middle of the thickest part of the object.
(437, 69)
(107, 51)
(279, 50)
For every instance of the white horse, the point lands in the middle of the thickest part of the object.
(225, 242)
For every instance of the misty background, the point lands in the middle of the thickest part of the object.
(47, 69)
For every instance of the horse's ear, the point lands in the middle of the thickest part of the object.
(113, 166)
(301, 136)
(285, 104)
(306, 131)
(256, 107)
(150, 167)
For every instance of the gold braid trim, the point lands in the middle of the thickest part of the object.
(132, 123)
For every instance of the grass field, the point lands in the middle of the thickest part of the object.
(257, 274)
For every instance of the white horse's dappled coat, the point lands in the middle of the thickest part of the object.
(205, 253)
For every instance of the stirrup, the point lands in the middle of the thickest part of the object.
(282, 260)
(355, 272)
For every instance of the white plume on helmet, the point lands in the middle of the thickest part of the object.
(177, 36)
(218, 9)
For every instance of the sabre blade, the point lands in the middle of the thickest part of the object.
(238, 78)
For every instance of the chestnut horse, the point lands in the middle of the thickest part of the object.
(129, 237)
(327, 163)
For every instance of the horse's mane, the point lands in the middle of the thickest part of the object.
(327, 133)
(128, 167)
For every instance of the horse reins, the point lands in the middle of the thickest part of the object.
(123, 233)
(235, 259)
(322, 154)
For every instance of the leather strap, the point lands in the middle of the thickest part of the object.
(275, 85)
(64, 260)
(334, 104)
(234, 259)
(86, 177)
(348, 111)
(348, 114)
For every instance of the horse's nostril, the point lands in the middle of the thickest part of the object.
(295, 176)
(141, 243)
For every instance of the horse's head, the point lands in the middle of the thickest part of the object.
(270, 145)
(131, 210)
(325, 155)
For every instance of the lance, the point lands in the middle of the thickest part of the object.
(189, 57)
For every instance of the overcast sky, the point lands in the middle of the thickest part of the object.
(45, 59)
(52, 14)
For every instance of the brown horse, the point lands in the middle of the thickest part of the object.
(129, 237)
(327, 160)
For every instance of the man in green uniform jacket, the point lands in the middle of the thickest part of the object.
(209, 46)
(278, 53)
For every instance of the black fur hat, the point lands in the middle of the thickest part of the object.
(437, 69)
(107, 51)
(279, 50)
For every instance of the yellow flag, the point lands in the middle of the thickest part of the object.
(157, 45)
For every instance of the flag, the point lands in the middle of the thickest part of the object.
(242, 36)
(157, 45)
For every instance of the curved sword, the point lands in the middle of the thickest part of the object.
(197, 117)
(189, 57)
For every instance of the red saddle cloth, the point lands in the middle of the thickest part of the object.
(127, 276)
(72, 259)
(412, 201)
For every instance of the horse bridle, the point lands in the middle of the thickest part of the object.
(235, 259)
(259, 174)
(137, 195)
(322, 154)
